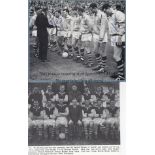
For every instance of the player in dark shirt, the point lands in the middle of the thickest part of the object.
(87, 119)
(49, 119)
(62, 121)
(35, 95)
(98, 111)
(50, 95)
(62, 95)
(37, 116)
(75, 119)
(113, 121)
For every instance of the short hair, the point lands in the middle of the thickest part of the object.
(106, 6)
(93, 5)
(66, 9)
(81, 9)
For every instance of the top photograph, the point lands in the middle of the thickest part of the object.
(77, 40)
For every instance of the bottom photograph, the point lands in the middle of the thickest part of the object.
(74, 113)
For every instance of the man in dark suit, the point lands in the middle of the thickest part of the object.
(42, 25)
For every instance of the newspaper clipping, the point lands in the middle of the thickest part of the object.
(76, 63)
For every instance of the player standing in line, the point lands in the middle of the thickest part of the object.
(87, 120)
(67, 28)
(116, 22)
(86, 38)
(99, 31)
(62, 121)
(75, 27)
(49, 119)
(62, 95)
(59, 31)
(75, 117)
(37, 116)
(98, 94)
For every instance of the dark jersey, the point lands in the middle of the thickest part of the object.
(75, 113)
(49, 95)
(35, 97)
(87, 110)
(111, 96)
(61, 108)
(75, 94)
(61, 95)
(98, 95)
(36, 110)
(99, 110)
(113, 111)
(87, 96)
(49, 111)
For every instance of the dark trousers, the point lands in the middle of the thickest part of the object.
(43, 44)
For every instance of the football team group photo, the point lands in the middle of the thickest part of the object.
(77, 39)
(68, 113)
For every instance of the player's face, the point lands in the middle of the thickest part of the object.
(112, 104)
(74, 88)
(93, 10)
(99, 89)
(109, 11)
(87, 103)
(57, 14)
(61, 101)
(86, 89)
(62, 88)
(74, 102)
(36, 90)
(65, 13)
(36, 103)
(99, 103)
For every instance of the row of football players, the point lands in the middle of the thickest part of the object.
(104, 94)
(62, 121)
(82, 34)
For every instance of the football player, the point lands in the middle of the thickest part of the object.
(99, 31)
(75, 120)
(37, 117)
(50, 95)
(49, 119)
(97, 120)
(62, 94)
(61, 120)
(116, 22)
(87, 119)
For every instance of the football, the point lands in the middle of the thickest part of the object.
(64, 54)
(62, 136)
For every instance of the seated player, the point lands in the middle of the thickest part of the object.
(61, 121)
(75, 117)
(113, 121)
(104, 125)
(49, 119)
(87, 120)
(37, 116)
(98, 110)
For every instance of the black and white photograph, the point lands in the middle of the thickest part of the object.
(74, 113)
(77, 40)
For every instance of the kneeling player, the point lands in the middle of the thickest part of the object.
(61, 121)
(49, 119)
(75, 116)
(87, 120)
(37, 116)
